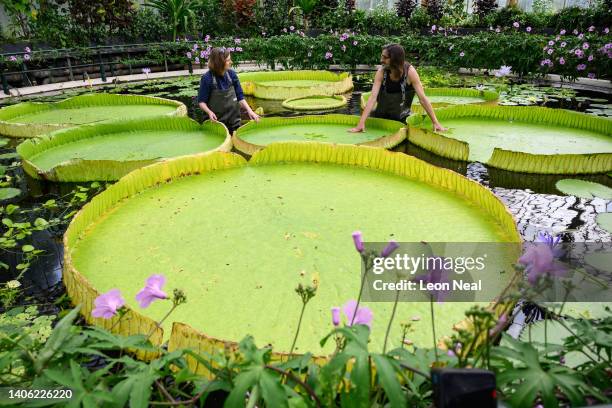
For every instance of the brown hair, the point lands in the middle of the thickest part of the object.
(397, 55)
(216, 60)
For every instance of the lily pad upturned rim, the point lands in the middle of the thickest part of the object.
(92, 170)
(82, 291)
(489, 97)
(587, 163)
(253, 83)
(340, 101)
(395, 137)
(28, 130)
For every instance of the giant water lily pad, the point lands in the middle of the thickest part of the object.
(526, 139)
(328, 128)
(238, 238)
(442, 97)
(283, 85)
(30, 119)
(107, 151)
(604, 220)
(310, 103)
(584, 189)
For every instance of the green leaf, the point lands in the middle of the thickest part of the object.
(584, 189)
(272, 390)
(7, 156)
(141, 390)
(604, 220)
(61, 333)
(9, 192)
(27, 248)
(242, 383)
(388, 379)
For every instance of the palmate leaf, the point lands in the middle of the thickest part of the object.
(530, 379)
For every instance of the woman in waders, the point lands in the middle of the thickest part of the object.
(220, 95)
(394, 87)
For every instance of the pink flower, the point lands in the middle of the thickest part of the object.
(590, 58)
(358, 240)
(13, 58)
(528, 29)
(26, 57)
(562, 32)
(575, 32)
(188, 55)
(539, 260)
(388, 250)
(579, 53)
(196, 60)
(107, 304)
(355, 42)
(591, 75)
(152, 291)
(202, 54)
(581, 67)
(516, 24)
(580, 36)
(562, 61)
(550, 51)
(551, 43)
(591, 29)
(343, 48)
(195, 47)
(497, 30)
(585, 46)
(237, 40)
(146, 71)
(607, 30)
(363, 315)
(328, 55)
(239, 49)
(563, 44)
(284, 30)
(291, 28)
(335, 316)
(207, 38)
(28, 50)
(462, 54)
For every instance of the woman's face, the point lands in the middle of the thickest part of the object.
(228, 62)
(384, 58)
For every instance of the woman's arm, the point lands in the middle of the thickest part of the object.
(207, 110)
(370, 105)
(204, 95)
(418, 88)
(250, 112)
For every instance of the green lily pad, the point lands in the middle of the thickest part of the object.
(604, 220)
(11, 155)
(3, 142)
(9, 192)
(584, 189)
(599, 260)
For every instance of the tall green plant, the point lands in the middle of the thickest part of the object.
(180, 14)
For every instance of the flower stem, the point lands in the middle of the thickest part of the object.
(158, 324)
(397, 292)
(433, 327)
(363, 278)
(297, 331)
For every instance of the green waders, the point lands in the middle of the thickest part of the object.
(394, 106)
(224, 104)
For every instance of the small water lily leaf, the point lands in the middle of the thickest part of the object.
(9, 192)
(599, 260)
(604, 220)
(7, 156)
(3, 142)
(584, 189)
(2, 170)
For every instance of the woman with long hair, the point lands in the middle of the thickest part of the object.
(220, 95)
(394, 87)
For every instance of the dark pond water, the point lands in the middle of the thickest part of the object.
(533, 199)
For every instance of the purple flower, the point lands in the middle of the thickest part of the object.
(435, 275)
(26, 57)
(591, 75)
(528, 29)
(237, 40)
(388, 250)
(207, 38)
(557, 38)
(196, 60)
(497, 30)
(501, 323)
(195, 47)
(335, 316)
(13, 58)
(358, 240)
(188, 55)
(462, 54)
(284, 30)
(202, 54)
(239, 49)
(581, 67)
(591, 58)
(28, 50)
(146, 71)
(291, 28)
(562, 32)
(152, 291)
(302, 34)
(550, 51)
(355, 42)
(516, 24)
(343, 48)
(562, 61)
(580, 36)
(579, 53)
(591, 29)
(563, 44)
(107, 304)
(539, 260)
(585, 46)
(607, 30)
(551, 43)
(363, 315)
(503, 71)
(328, 55)
(575, 32)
